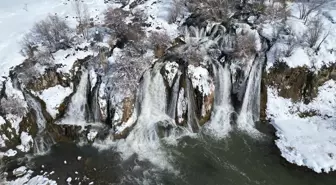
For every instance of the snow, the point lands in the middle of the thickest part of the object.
(171, 71)
(15, 21)
(79, 158)
(26, 142)
(200, 79)
(20, 171)
(10, 153)
(306, 141)
(54, 97)
(69, 179)
(298, 58)
(69, 57)
(92, 135)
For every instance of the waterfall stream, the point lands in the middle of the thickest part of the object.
(43, 140)
(221, 117)
(76, 113)
(250, 109)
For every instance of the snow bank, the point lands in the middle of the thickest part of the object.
(306, 141)
(26, 142)
(54, 97)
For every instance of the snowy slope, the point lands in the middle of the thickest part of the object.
(18, 16)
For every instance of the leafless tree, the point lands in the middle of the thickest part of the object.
(51, 32)
(83, 17)
(307, 7)
(159, 38)
(276, 10)
(218, 10)
(314, 32)
(114, 19)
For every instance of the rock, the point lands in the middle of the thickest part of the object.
(20, 171)
(128, 107)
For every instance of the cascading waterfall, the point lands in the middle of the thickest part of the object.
(220, 120)
(43, 140)
(76, 113)
(250, 110)
(145, 136)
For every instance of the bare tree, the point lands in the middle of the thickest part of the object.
(314, 32)
(114, 19)
(276, 10)
(218, 10)
(307, 7)
(51, 32)
(83, 17)
(159, 39)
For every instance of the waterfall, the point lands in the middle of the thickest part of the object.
(40, 120)
(174, 96)
(219, 124)
(76, 114)
(42, 143)
(43, 140)
(144, 138)
(193, 124)
(94, 113)
(250, 110)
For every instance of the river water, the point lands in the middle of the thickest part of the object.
(238, 159)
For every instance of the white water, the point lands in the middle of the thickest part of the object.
(193, 124)
(250, 109)
(43, 140)
(219, 125)
(40, 120)
(76, 111)
(144, 138)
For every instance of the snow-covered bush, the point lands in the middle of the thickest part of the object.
(158, 39)
(218, 10)
(315, 32)
(307, 7)
(52, 33)
(14, 106)
(124, 71)
(115, 20)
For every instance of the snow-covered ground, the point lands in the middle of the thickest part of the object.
(18, 16)
(306, 133)
(306, 141)
(53, 97)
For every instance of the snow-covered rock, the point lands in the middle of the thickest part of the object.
(26, 142)
(200, 79)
